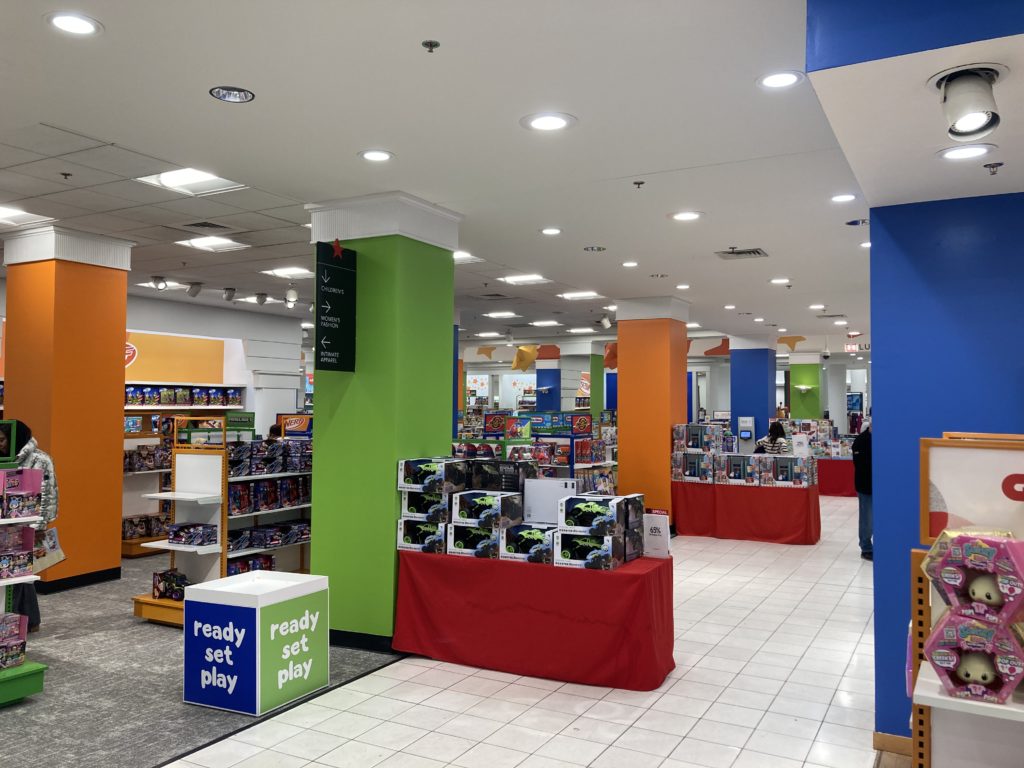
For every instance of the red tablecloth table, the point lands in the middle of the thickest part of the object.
(835, 477)
(595, 628)
(693, 508)
(750, 513)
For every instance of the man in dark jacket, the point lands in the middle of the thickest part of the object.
(862, 482)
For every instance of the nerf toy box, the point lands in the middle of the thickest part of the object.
(591, 515)
(419, 536)
(527, 543)
(487, 509)
(597, 553)
(193, 534)
(239, 499)
(497, 475)
(433, 475)
(472, 541)
(425, 507)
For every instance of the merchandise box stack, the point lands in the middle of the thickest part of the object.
(22, 490)
(258, 457)
(599, 532)
(16, 551)
(13, 634)
(244, 498)
(136, 395)
(145, 526)
(146, 458)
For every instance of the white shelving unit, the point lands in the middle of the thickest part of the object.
(199, 497)
(19, 521)
(272, 476)
(293, 508)
(205, 549)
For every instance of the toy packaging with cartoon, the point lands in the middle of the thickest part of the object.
(527, 544)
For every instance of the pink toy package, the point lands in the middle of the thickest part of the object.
(982, 577)
(974, 659)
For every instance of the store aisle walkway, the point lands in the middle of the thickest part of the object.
(774, 655)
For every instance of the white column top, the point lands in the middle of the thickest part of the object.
(50, 243)
(757, 341)
(803, 358)
(653, 308)
(387, 213)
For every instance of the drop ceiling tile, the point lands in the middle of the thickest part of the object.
(161, 234)
(27, 186)
(250, 221)
(14, 156)
(275, 236)
(150, 214)
(47, 140)
(87, 199)
(51, 169)
(41, 206)
(253, 199)
(119, 161)
(297, 214)
(102, 223)
(137, 192)
(200, 208)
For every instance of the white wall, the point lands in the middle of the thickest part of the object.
(835, 391)
(719, 389)
(572, 367)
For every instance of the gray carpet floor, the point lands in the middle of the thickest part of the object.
(114, 686)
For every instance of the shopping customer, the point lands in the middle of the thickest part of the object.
(30, 456)
(862, 483)
(775, 442)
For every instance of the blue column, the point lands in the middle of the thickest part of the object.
(946, 271)
(611, 391)
(549, 389)
(752, 387)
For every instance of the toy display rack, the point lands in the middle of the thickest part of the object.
(27, 678)
(199, 494)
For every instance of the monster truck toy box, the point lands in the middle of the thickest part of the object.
(436, 475)
(425, 507)
(472, 541)
(592, 515)
(498, 475)
(596, 553)
(527, 544)
(487, 509)
(421, 536)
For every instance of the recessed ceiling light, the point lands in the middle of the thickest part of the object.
(545, 323)
(489, 335)
(232, 94)
(376, 155)
(501, 315)
(548, 121)
(729, 306)
(780, 280)
(860, 358)
(686, 216)
(866, 244)
(308, 226)
(261, 299)
(693, 325)
(630, 264)
(581, 330)
(839, 322)
(781, 354)
(816, 306)
(784, 79)
(783, 330)
(845, 198)
(578, 295)
(75, 23)
(524, 279)
(551, 231)
(291, 273)
(462, 256)
(594, 248)
(853, 354)
(189, 181)
(306, 325)
(966, 152)
(213, 244)
(612, 307)
(683, 287)
(758, 319)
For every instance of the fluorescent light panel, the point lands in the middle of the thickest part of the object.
(252, 300)
(581, 330)
(16, 217)
(524, 279)
(189, 181)
(212, 244)
(580, 295)
(289, 273)
(545, 323)
(501, 315)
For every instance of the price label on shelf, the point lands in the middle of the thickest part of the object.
(335, 307)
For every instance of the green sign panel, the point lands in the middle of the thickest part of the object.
(241, 420)
(293, 655)
(335, 307)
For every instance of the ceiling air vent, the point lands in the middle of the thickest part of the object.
(742, 253)
(831, 317)
(492, 296)
(207, 225)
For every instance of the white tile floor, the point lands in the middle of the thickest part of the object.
(774, 655)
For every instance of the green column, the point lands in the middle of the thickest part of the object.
(805, 404)
(596, 387)
(397, 404)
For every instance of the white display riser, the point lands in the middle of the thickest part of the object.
(960, 739)
(132, 488)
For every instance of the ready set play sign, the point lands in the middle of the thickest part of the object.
(256, 641)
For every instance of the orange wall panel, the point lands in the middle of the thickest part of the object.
(65, 379)
(652, 397)
(174, 359)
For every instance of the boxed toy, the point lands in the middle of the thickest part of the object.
(233, 396)
(305, 489)
(471, 541)
(169, 585)
(14, 564)
(263, 563)
(497, 475)
(13, 626)
(215, 396)
(134, 528)
(264, 495)
(182, 396)
(633, 544)
(599, 553)
(150, 396)
(268, 458)
(974, 659)
(435, 475)
(982, 577)
(12, 653)
(699, 468)
(288, 494)
(239, 539)
(793, 471)
(629, 509)
(419, 536)
(735, 469)
(237, 565)
(133, 396)
(158, 523)
(239, 458)
(266, 536)
(192, 534)
(201, 396)
(930, 565)
(487, 509)
(240, 499)
(527, 543)
(426, 507)
(591, 515)
(165, 396)
(293, 532)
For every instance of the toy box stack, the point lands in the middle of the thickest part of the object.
(599, 532)
(21, 488)
(976, 647)
(16, 545)
(13, 632)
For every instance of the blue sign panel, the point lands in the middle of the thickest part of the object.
(220, 656)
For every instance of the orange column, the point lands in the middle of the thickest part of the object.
(64, 377)
(652, 394)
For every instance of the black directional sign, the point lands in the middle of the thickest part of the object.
(335, 307)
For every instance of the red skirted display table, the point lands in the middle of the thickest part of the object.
(835, 477)
(608, 628)
(751, 513)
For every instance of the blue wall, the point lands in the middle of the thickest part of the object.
(946, 285)
(552, 399)
(841, 32)
(752, 387)
(611, 391)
